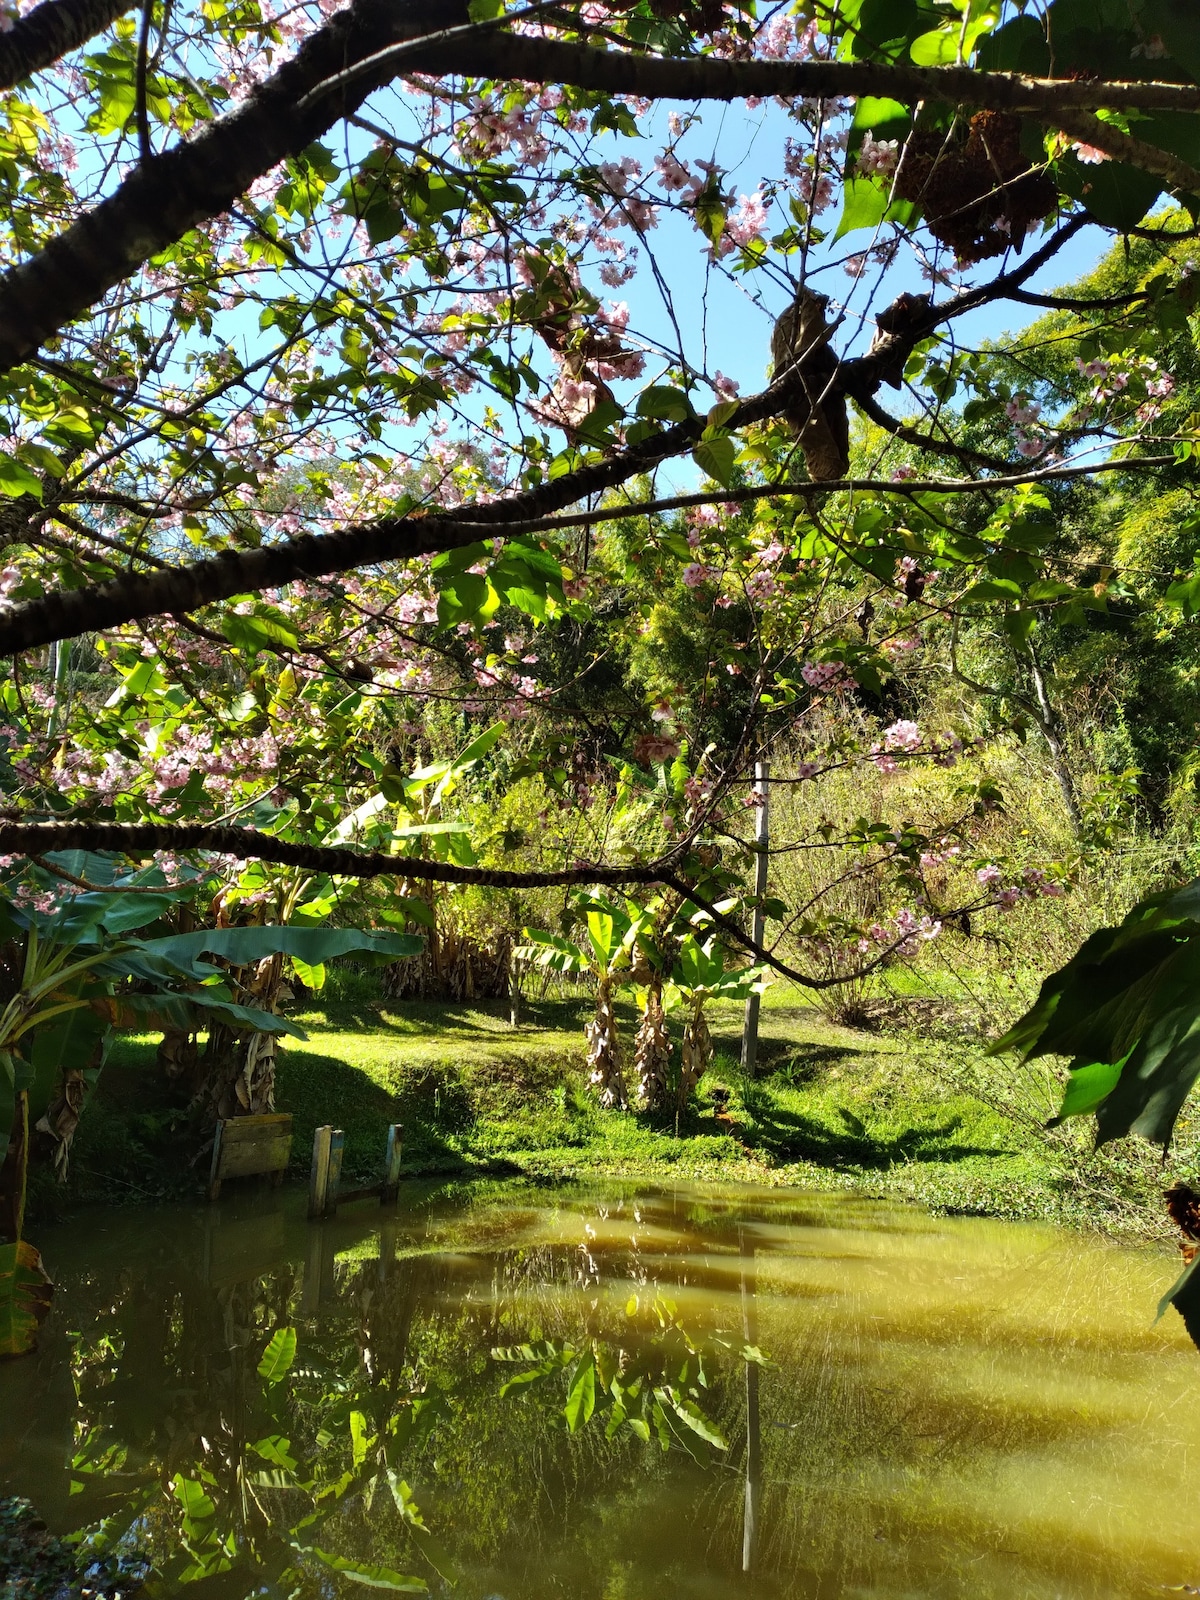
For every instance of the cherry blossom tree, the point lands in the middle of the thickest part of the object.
(324, 416)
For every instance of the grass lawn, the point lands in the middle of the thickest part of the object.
(885, 1113)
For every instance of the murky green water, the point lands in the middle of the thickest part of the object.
(951, 1407)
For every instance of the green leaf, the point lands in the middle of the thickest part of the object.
(664, 403)
(864, 204)
(1116, 195)
(1178, 1294)
(278, 1356)
(262, 629)
(25, 1293)
(1129, 999)
(1174, 21)
(277, 1450)
(991, 589)
(873, 114)
(16, 480)
(241, 946)
(479, 747)
(313, 977)
(581, 1396)
(464, 597)
(75, 1041)
(360, 1440)
(192, 1498)
(716, 458)
(1185, 594)
(938, 48)
(1086, 1087)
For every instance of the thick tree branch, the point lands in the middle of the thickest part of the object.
(34, 839)
(709, 78)
(924, 441)
(65, 614)
(51, 31)
(198, 179)
(159, 203)
(171, 591)
(1062, 302)
(806, 488)
(1133, 152)
(140, 839)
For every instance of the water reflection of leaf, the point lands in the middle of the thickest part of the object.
(25, 1293)
(361, 1572)
(581, 1394)
(278, 1356)
(653, 1390)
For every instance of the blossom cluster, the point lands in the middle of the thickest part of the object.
(905, 738)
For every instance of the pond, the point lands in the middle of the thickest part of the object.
(473, 1392)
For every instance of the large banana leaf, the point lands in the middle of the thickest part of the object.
(1126, 1010)
(153, 1013)
(241, 946)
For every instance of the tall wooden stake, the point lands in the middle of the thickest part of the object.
(326, 1172)
(390, 1189)
(762, 833)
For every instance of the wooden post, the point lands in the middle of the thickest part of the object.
(335, 1172)
(391, 1166)
(326, 1172)
(762, 774)
(318, 1182)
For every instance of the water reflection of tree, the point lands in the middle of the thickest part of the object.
(170, 1392)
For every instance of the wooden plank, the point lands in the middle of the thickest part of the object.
(249, 1130)
(246, 1147)
(244, 1160)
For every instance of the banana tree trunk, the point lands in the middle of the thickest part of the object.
(603, 1050)
(238, 1069)
(652, 1054)
(697, 1053)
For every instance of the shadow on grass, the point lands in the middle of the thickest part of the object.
(791, 1136)
(433, 1106)
(797, 1064)
(405, 1018)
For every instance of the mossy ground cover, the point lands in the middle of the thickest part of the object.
(891, 1113)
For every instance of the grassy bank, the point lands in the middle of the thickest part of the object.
(909, 1111)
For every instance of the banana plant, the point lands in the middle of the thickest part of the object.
(73, 962)
(606, 959)
(700, 974)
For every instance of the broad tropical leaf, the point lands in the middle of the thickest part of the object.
(244, 945)
(1126, 1010)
